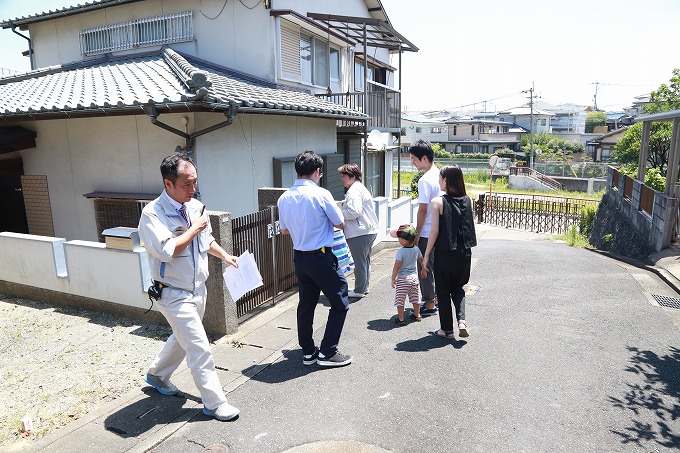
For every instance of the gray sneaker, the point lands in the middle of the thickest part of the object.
(310, 359)
(164, 388)
(335, 360)
(224, 413)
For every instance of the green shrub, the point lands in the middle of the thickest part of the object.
(585, 224)
(575, 239)
(414, 184)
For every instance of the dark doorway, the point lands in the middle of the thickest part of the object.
(11, 197)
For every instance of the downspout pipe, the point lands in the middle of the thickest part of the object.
(30, 45)
(150, 110)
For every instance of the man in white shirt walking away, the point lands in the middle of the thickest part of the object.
(422, 157)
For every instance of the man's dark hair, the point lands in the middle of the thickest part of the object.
(307, 162)
(171, 165)
(422, 148)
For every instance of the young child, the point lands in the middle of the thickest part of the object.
(404, 274)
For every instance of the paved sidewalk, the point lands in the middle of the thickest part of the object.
(143, 420)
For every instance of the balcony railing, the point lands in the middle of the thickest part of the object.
(383, 106)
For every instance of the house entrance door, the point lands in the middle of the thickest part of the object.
(11, 197)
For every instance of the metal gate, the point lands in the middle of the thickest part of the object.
(260, 234)
(538, 213)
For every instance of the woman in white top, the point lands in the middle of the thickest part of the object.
(361, 226)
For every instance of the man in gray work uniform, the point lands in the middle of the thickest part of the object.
(178, 239)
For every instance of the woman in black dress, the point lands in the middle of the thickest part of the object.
(452, 237)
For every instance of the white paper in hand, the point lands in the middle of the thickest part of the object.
(246, 277)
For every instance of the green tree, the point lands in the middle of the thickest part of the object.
(553, 147)
(594, 119)
(627, 150)
(440, 152)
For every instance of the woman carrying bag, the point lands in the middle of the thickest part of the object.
(452, 236)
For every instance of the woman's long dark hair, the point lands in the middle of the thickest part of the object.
(455, 184)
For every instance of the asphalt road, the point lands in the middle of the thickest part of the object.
(567, 353)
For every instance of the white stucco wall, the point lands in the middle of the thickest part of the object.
(230, 34)
(123, 154)
(219, 40)
(112, 154)
(235, 161)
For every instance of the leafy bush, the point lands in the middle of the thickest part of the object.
(414, 184)
(653, 176)
(655, 180)
(585, 224)
(575, 239)
(594, 119)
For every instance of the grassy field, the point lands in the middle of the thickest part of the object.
(478, 182)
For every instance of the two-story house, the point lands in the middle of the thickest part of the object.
(523, 117)
(482, 136)
(241, 87)
(415, 128)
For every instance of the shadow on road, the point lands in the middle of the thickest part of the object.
(288, 368)
(146, 414)
(657, 398)
(428, 343)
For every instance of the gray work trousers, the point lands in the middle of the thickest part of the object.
(360, 248)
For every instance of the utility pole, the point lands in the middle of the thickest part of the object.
(595, 97)
(531, 126)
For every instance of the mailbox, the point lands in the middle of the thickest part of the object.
(122, 238)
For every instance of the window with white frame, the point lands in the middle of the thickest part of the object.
(436, 130)
(150, 31)
(308, 58)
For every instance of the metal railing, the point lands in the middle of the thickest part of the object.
(149, 31)
(538, 213)
(526, 171)
(383, 105)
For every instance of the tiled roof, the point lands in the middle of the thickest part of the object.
(165, 78)
(62, 12)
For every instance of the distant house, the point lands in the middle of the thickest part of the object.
(422, 128)
(616, 120)
(522, 117)
(569, 119)
(601, 148)
(120, 84)
(482, 136)
(637, 108)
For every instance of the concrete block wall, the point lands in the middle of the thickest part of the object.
(88, 275)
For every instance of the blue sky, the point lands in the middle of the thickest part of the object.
(485, 52)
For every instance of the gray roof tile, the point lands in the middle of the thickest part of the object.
(164, 78)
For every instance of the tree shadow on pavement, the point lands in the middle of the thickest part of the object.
(428, 343)
(658, 397)
(285, 369)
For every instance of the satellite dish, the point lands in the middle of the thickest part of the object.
(376, 139)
